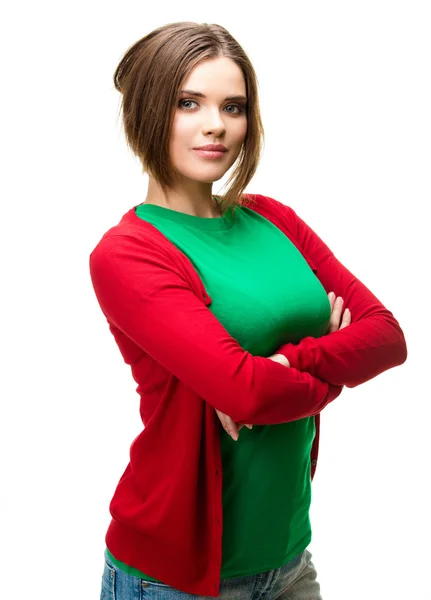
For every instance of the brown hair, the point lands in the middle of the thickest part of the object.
(149, 77)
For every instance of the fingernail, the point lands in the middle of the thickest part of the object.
(234, 436)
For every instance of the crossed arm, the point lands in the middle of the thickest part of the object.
(335, 324)
(151, 307)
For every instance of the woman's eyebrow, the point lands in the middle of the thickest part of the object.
(200, 95)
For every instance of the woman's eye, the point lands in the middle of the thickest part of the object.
(182, 101)
(237, 106)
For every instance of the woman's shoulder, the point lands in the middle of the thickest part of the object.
(263, 203)
(130, 232)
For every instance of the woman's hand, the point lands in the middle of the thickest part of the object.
(336, 308)
(229, 425)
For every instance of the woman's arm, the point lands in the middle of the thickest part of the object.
(145, 298)
(374, 341)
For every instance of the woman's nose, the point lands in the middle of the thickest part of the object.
(214, 124)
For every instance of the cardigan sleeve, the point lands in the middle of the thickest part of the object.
(373, 342)
(143, 294)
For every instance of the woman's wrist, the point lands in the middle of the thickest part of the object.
(280, 359)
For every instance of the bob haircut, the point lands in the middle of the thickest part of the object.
(150, 76)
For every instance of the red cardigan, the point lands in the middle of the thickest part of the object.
(167, 508)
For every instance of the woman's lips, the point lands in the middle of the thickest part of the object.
(210, 153)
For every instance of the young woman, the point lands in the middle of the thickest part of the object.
(230, 311)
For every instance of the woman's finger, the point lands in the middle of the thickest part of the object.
(228, 425)
(334, 321)
(347, 319)
(331, 297)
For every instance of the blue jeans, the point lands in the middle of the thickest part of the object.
(294, 581)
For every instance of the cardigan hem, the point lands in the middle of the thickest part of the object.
(194, 574)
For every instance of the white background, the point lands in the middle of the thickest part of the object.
(345, 95)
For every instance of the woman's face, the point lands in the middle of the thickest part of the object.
(209, 120)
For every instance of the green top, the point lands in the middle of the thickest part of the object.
(266, 473)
